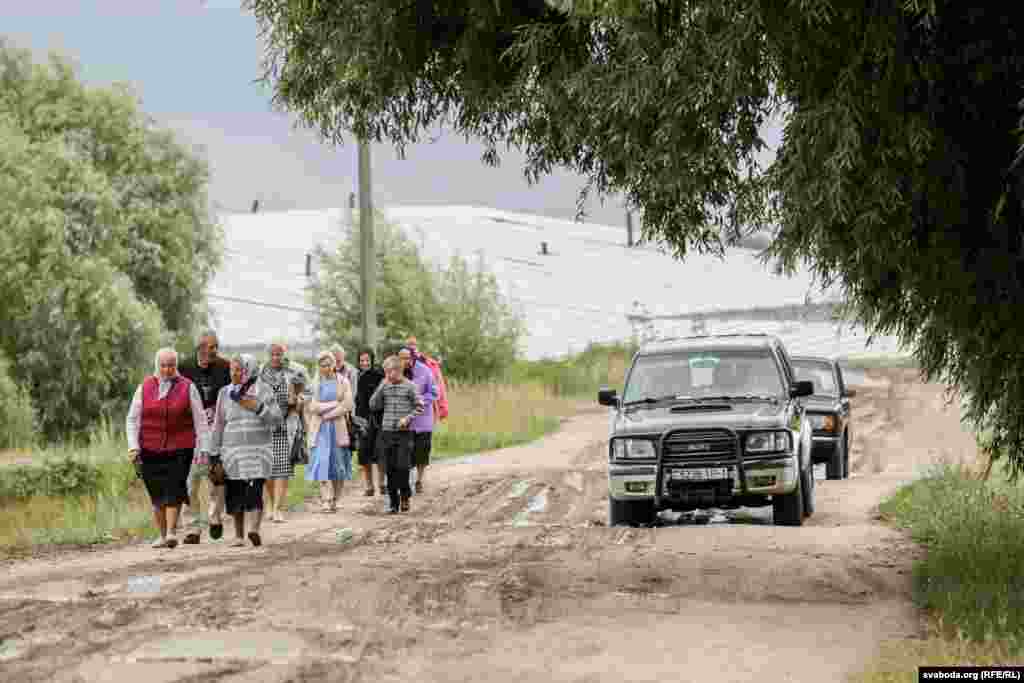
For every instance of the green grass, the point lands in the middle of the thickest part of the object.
(973, 572)
(450, 443)
(971, 580)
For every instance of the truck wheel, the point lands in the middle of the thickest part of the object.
(630, 512)
(808, 484)
(835, 467)
(846, 455)
(788, 510)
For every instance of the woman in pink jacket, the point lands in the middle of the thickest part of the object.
(330, 453)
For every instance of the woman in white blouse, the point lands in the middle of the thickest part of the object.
(166, 424)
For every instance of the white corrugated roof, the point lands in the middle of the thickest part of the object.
(579, 292)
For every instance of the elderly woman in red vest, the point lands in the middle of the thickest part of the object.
(166, 424)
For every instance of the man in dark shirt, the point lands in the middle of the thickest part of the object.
(210, 373)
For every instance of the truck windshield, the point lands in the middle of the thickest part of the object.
(704, 374)
(818, 373)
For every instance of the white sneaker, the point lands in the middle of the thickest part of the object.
(159, 543)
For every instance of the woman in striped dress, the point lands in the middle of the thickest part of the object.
(245, 419)
(278, 377)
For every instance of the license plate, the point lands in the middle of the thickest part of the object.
(702, 474)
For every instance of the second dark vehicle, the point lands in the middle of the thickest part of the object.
(828, 410)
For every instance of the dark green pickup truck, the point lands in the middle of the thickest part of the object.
(710, 422)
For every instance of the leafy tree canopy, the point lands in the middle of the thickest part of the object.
(130, 193)
(895, 178)
(455, 312)
(106, 247)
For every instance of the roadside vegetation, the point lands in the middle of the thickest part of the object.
(970, 582)
(86, 492)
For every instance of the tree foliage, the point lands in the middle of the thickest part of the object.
(454, 312)
(895, 178)
(106, 242)
(477, 332)
(128, 191)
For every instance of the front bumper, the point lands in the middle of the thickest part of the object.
(768, 477)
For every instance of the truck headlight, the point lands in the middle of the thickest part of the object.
(823, 423)
(768, 442)
(632, 448)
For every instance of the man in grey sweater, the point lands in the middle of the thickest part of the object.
(397, 398)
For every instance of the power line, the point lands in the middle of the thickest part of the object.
(264, 304)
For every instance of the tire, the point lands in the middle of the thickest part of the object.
(808, 484)
(835, 467)
(630, 512)
(788, 510)
(846, 455)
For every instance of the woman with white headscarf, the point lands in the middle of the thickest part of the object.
(165, 425)
(246, 416)
(280, 377)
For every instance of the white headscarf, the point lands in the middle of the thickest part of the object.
(166, 384)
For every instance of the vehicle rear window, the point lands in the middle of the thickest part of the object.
(818, 373)
(704, 373)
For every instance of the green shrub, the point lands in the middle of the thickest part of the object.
(972, 575)
(57, 477)
(17, 416)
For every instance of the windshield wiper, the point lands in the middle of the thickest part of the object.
(741, 397)
(660, 399)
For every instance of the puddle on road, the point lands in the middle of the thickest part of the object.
(9, 649)
(538, 503)
(147, 585)
(519, 489)
(264, 646)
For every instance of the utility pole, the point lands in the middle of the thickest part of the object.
(367, 251)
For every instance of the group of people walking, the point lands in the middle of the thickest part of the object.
(243, 428)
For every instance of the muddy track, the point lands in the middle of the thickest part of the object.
(504, 570)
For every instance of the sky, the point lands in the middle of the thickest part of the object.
(195, 65)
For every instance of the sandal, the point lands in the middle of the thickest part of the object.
(368, 492)
(255, 538)
(238, 543)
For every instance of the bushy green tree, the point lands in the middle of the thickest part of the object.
(106, 241)
(405, 291)
(455, 312)
(477, 332)
(895, 178)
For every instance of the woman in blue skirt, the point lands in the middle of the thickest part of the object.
(330, 453)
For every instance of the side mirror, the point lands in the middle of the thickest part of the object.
(798, 389)
(850, 393)
(607, 397)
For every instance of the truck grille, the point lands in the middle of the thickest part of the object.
(699, 445)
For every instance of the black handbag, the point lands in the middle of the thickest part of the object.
(355, 432)
(300, 454)
(217, 474)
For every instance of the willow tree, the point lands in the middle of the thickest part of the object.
(895, 179)
(106, 241)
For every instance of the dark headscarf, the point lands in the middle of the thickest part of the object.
(367, 383)
(367, 351)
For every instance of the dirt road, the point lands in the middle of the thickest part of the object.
(503, 571)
